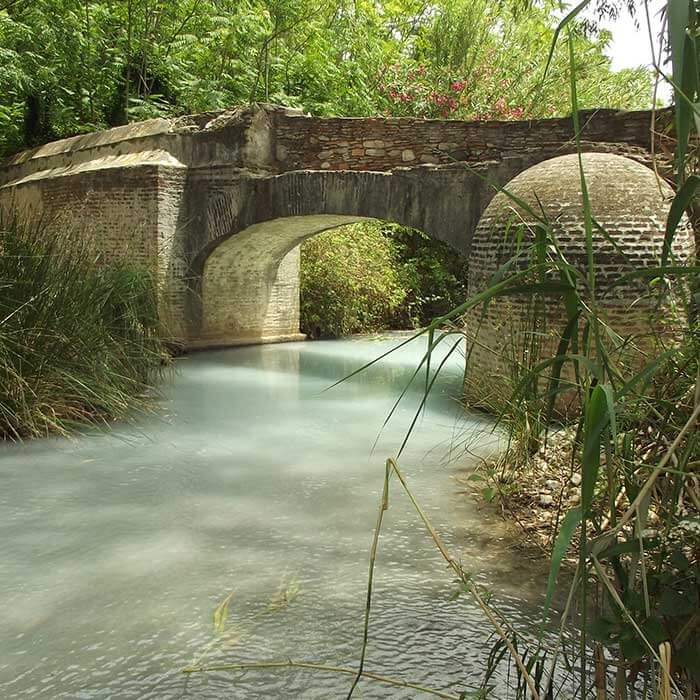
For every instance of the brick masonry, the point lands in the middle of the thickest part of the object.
(631, 205)
(216, 204)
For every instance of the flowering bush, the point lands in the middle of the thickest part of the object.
(419, 92)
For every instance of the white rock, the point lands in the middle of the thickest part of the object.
(575, 479)
(546, 499)
(552, 484)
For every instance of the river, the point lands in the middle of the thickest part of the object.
(251, 481)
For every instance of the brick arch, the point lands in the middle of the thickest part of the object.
(445, 201)
(244, 272)
(249, 284)
(243, 276)
(169, 193)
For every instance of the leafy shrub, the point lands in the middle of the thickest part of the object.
(433, 275)
(349, 282)
(78, 341)
(371, 276)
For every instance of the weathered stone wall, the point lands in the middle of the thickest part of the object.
(119, 205)
(127, 206)
(384, 144)
(215, 203)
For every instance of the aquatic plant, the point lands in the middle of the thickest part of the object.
(79, 339)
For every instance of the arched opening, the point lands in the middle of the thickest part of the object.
(250, 283)
(374, 276)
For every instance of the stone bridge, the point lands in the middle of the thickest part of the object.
(217, 204)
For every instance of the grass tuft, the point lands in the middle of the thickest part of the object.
(79, 339)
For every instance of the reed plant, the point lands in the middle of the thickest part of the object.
(630, 628)
(79, 338)
(634, 597)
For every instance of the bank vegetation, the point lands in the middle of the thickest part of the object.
(374, 276)
(79, 338)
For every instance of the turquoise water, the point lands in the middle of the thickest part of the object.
(249, 480)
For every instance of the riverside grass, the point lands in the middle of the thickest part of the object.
(79, 339)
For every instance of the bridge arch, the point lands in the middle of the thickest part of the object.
(244, 270)
(250, 282)
(244, 275)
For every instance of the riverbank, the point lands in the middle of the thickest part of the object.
(532, 495)
(619, 507)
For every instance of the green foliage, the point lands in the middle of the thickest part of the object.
(69, 66)
(78, 340)
(372, 276)
(349, 282)
(432, 274)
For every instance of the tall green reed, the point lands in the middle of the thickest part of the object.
(632, 604)
(79, 339)
(636, 445)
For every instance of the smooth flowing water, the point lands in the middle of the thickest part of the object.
(250, 481)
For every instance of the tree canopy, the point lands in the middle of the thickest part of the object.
(69, 66)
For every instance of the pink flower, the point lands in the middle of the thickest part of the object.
(458, 85)
(501, 104)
